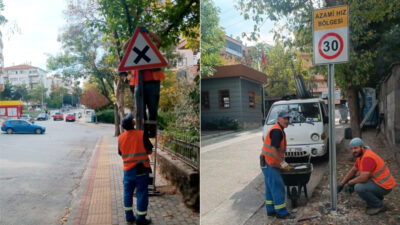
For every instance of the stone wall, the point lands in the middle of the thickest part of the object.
(183, 177)
(389, 106)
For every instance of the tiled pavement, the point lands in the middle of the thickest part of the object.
(101, 198)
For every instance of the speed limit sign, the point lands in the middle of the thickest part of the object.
(330, 35)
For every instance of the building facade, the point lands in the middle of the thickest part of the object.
(2, 81)
(234, 93)
(25, 74)
(187, 66)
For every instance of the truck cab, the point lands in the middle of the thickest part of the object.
(307, 133)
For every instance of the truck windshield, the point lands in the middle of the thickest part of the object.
(300, 113)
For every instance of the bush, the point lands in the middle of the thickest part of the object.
(224, 123)
(165, 119)
(106, 116)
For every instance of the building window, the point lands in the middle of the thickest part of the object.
(252, 103)
(224, 99)
(205, 100)
(2, 111)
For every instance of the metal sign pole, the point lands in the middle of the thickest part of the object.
(140, 105)
(332, 142)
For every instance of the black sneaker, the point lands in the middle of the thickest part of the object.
(143, 222)
(271, 213)
(285, 217)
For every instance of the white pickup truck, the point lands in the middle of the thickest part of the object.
(307, 133)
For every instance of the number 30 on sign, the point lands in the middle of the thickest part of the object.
(330, 34)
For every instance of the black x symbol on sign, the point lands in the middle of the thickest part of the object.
(141, 54)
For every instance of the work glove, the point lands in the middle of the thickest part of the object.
(144, 30)
(349, 189)
(340, 188)
(285, 165)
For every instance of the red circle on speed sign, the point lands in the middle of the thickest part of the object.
(340, 48)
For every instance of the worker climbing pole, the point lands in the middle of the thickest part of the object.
(144, 60)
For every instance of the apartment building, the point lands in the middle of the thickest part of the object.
(187, 66)
(25, 74)
(1, 64)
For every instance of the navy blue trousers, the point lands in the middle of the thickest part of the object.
(140, 183)
(275, 200)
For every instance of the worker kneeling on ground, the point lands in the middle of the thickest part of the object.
(374, 179)
(134, 147)
(271, 160)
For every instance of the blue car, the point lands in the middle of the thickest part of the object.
(21, 126)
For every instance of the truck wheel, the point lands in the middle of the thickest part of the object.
(38, 131)
(10, 131)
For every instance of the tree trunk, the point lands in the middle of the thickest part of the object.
(117, 130)
(119, 103)
(354, 111)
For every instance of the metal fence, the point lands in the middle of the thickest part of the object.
(181, 148)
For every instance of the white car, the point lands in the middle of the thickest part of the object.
(307, 133)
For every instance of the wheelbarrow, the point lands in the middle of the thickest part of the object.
(296, 179)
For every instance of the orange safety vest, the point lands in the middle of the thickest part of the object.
(267, 151)
(148, 75)
(132, 149)
(381, 175)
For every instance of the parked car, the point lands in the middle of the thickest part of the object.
(42, 116)
(27, 117)
(21, 126)
(70, 117)
(307, 133)
(58, 116)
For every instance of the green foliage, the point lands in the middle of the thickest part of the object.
(14, 92)
(372, 25)
(105, 116)
(3, 19)
(212, 38)
(280, 76)
(224, 123)
(36, 93)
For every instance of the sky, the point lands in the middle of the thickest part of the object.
(235, 24)
(39, 23)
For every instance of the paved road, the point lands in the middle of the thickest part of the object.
(232, 186)
(38, 173)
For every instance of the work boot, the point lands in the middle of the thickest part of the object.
(285, 217)
(271, 213)
(143, 222)
(131, 221)
(373, 211)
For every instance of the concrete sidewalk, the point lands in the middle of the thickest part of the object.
(99, 199)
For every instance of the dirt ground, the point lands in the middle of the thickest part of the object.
(351, 208)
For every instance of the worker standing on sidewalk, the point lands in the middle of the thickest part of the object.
(134, 147)
(271, 160)
(374, 179)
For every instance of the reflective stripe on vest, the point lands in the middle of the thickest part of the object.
(132, 149)
(381, 175)
(269, 202)
(148, 75)
(266, 150)
(269, 146)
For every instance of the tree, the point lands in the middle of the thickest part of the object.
(20, 92)
(212, 38)
(37, 94)
(113, 22)
(56, 98)
(371, 26)
(93, 99)
(8, 91)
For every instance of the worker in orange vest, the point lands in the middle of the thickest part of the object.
(134, 147)
(151, 88)
(374, 179)
(271, 161)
